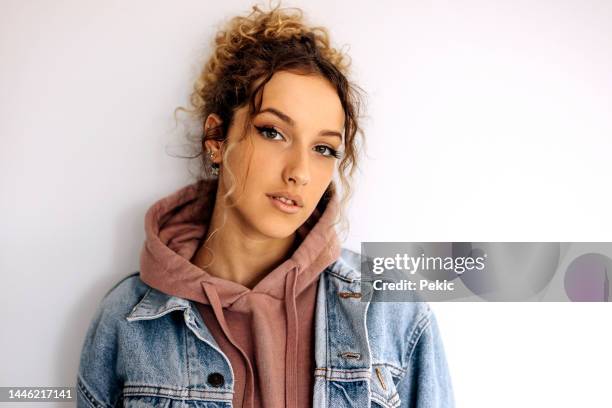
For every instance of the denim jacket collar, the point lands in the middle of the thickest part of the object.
(155, 304)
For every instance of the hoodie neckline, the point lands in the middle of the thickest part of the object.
(176, 224)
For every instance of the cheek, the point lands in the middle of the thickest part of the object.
(259, 172)
(265, 167)
(265, 152)
(264, 155)
(323, 171)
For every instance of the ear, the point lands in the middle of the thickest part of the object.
(212, 146)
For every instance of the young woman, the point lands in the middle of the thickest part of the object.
(245, 297)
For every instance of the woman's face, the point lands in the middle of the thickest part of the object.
(288, 149)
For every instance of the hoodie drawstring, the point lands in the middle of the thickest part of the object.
(291, 350)
(213, 298)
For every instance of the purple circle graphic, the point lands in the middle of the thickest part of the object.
(587, 278)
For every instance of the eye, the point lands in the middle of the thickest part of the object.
(270, 133)
(266, 131)
(331, 152)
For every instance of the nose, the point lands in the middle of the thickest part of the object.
(297, 170)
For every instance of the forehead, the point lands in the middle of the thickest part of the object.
(310, 100)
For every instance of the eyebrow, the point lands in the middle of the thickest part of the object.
(285, 118)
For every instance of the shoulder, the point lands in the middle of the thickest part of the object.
(114, 307)
(101, 345)
(109, 320)
(126, 285)
(119, 300)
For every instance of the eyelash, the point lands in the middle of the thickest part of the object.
(263, 129)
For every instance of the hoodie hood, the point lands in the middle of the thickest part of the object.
(175, 227)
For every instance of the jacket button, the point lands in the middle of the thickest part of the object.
(216, 380)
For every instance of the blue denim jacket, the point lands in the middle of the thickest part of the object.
(146, 348)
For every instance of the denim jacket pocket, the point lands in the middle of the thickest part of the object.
(384, 392)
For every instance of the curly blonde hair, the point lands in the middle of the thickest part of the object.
(246, 53)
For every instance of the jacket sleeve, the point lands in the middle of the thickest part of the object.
(427, 383)
(98, 385)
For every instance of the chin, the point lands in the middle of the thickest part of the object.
(276, 228)
(271, 222)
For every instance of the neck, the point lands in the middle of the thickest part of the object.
(231, 252)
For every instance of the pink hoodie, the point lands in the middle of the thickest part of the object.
(175, 227)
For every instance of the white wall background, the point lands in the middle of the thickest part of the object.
(489, 120)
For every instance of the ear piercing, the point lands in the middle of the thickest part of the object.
(214, 166)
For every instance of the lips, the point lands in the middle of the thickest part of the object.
(283, 205)
(285, 200)
(287, 197)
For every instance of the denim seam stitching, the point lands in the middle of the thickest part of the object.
(390, 402)
(346, 370)
(337, 374)
(344, 278)
(91, 400)
(170, 388)
(203, 398)
(218, 350)
(367, 340)
(186, 342)
(422, 325)
(180, 394)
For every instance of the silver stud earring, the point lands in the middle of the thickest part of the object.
(214, 166)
